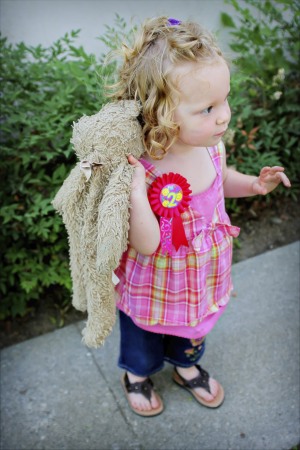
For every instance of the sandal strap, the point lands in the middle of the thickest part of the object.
(140, 387)
(201, 380)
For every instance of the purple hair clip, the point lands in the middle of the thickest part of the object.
(173, 22)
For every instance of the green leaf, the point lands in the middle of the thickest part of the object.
(227, 20)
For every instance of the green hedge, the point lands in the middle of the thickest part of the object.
(45, 89)
(265, 100)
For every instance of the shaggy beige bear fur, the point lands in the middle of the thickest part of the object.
(94, 204)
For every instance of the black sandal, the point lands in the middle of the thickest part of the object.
(202, 381)
(145, 388)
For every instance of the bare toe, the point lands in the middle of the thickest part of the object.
(141, 396)
(197, 381)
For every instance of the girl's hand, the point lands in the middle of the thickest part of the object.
(139, 177)
(269, 178)
(144, 231)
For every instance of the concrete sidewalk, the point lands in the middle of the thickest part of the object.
(58, 394)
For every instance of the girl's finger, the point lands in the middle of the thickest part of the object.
(265, 170)
(275, 169)
(284, 179)
(133, 161)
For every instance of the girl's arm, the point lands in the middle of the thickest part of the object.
(237, 184)
(144, 232)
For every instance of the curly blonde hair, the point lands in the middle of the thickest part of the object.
(145, 75)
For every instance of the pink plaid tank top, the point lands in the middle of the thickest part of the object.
(195, 282)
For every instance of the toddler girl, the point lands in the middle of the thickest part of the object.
(175, 280)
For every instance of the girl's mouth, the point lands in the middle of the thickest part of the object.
(220, 134)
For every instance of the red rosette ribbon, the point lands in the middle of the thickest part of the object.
(169, 196)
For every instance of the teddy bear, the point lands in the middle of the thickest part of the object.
(94, 203)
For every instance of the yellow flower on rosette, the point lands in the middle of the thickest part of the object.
(179, 196)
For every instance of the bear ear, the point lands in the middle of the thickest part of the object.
(133, 107)
(82, 136)
(105, 123)
(121, 108)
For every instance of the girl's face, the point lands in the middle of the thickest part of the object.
(203, 113)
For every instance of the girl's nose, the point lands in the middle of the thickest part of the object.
(224, 116)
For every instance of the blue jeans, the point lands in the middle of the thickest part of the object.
(143, 352)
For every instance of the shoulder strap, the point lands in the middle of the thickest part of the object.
(217, 154)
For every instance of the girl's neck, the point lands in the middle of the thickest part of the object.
(179, 149)
(176, 152)
(195, 164)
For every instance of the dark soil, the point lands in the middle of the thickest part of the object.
(263, 227)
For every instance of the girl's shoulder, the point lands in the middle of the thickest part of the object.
(218, 154)
(218, 151)
(151, 171)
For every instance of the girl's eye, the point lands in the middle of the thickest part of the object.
(207, 110)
